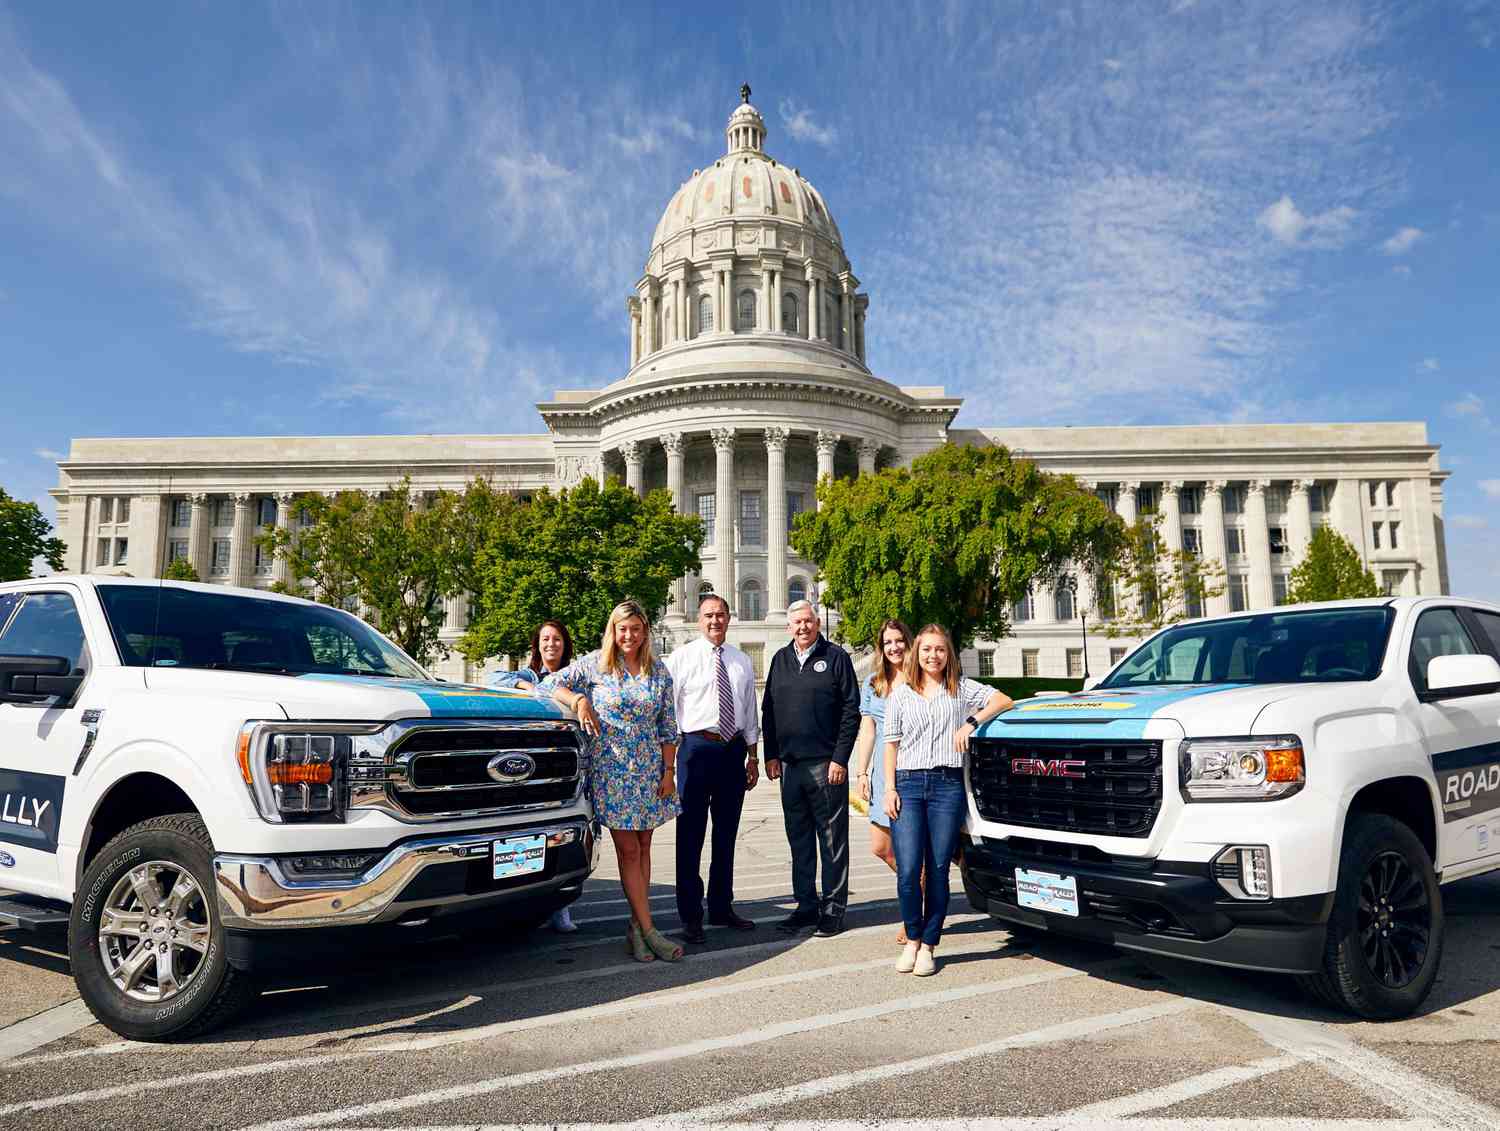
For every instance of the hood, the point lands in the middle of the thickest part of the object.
(1199, 708)
(356, 698)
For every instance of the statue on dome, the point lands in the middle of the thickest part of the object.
(744, 92)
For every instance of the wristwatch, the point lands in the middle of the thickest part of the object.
(973, 722)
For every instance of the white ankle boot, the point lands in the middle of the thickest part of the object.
(908, 959)
(925, 964)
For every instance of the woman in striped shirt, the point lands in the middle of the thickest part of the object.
(928, 722)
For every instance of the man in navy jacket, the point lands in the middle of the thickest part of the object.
(809, 719)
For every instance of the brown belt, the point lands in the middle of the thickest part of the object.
(713, 736)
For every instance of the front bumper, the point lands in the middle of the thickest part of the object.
(1157, 906)
(416, 878)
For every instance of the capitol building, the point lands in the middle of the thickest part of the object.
(747, 382)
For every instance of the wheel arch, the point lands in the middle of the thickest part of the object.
(1408, 799)
(136, 797)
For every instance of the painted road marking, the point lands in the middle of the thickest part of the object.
(1189, 1089)
(43, 1028)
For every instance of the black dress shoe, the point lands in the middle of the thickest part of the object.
(693, 933)
(829, 925)
(797, 920)
(736, 922)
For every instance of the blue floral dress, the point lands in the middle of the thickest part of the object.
(636, 715)
(872, 706)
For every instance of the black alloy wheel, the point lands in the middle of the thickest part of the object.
(1394, 920)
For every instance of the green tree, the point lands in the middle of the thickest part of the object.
(1154, 586)
(957, 539)
(24, 537)
(572, 556)
(1330, 571)
(180, 569)
(396, 554)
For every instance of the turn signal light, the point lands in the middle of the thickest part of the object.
(1285, 765)
(291, 773)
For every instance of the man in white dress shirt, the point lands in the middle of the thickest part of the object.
(714, 685)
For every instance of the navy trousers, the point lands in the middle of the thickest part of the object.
(710, 783)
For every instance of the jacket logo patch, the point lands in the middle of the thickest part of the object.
(820, 666)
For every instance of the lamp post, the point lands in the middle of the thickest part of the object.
(1083, 629)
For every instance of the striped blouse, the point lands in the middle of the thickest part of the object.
(924, 727)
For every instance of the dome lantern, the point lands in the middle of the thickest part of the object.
(746, 131)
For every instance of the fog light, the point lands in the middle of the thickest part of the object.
(330, 863)
(1244, 871)
(561, 837)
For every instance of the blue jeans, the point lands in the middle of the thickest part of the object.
(926, 832)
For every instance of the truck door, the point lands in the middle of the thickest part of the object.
(38, 741)
(1463, 740)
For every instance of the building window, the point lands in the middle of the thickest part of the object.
(1104, 597)
(1317, 498)
(1278, 588)
(263, 560)
(267, 512)
(796, 503)
(752, 601)
(1234, 499)
(1062, 600)
(221, 557)
(106, 510)
(1276, 498)
(744, 315)
(705, 314)
(305, 518)
(1146, 500)
(707, 505)
(1278, 539)
(1192, 540)
(751, 531)
(1234, 539)
(1193, 601)
(1190, 500)
(1116, 655)
(1022, 610)
(1075, 663)
(122, 510)
(177, 549)
(1392, 581)
(1395, 532)
(757, 656)
(101, 552)
(1239, 592)
(1107, 495)
(1390, 492)
(224, 512)
(789, 314)
(122, 550)
(1031, 664)
(796, 590)
(1375, 535)
(182, 512)
(986, 661)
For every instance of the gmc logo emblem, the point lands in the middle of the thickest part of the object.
(1048, 767)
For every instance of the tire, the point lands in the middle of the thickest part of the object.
(161, 995)
(1385, 935)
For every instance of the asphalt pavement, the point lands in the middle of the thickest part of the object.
(757, 1028)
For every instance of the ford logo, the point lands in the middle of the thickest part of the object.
(511, 767)
(7, 860)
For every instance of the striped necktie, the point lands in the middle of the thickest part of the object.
(726, 696)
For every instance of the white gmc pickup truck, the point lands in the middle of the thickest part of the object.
(200, 781)
(1282, 790)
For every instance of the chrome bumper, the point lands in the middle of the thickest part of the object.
(257, 892)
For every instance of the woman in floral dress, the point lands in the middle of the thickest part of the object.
(623, 695)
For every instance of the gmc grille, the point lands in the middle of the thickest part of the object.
(1118, 794)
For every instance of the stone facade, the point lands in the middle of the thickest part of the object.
(747, 383)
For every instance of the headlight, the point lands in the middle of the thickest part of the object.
(299, 771)
(1242, 769)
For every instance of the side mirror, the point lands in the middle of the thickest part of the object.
(1453, 677)
(35, 679)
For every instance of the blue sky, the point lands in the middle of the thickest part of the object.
(311, 218)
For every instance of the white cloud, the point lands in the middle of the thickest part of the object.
(1490, 487)
(799, 124)
(49, 455)
(1469, 522)
(1430, 365)
(1402, 270)
(1288, 224)
(1402, 242)
(1469, 405)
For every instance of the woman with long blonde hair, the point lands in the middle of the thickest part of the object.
(929, 720)
(891, 645)
(622, 694)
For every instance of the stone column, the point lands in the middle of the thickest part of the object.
(1171, 515)
(726, 302)
(241, 540)
(868, 451)
(634, 458)
(1258, 544)
(633, 308)
(679, 312)
(455, 613)
(1421, 519)
(764, 322)
(776, 300)
(653, 321)
(1125, 502)
(723, 439)
(1348, 516)
(776, 521)
(198, 548)
(1214, 548)
(814, 304)
(826, 442)
(148, 527)
(846, 319)
(1299, 519)
(1043, 608)
(674, 444)
(284, 501)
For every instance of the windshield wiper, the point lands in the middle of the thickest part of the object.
(362, 671)
(224, 665)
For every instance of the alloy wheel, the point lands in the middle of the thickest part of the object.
(154, 931)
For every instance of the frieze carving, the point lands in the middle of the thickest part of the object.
(572, 470)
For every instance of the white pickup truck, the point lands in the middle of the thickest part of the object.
(201, 781)
(1282, 790)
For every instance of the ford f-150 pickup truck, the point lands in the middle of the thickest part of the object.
(200, 780)
(1282, 790)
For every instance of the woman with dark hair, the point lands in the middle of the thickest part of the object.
(891, 645)
(928, 722)
(551, 651)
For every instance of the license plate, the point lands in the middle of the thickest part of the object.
(1047, 891)
(519, 856)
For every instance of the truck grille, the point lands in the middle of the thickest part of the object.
(1118, 794)
(441, 770)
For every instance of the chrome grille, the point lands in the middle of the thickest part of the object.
(1119, 793)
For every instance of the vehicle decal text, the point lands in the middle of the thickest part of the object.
(30, 808)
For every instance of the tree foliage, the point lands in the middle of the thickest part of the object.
(957, 539)
(1154, 586)
(24, 537)
(180, 569)
(391, 554)
(572, 556)
(1330, 571)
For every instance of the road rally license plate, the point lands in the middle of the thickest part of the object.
(1047, 891)
(519, 856)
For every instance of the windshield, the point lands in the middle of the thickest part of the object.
(1318, 646)
(193, 629)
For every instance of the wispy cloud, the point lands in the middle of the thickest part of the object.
(1469, 522)
(799, 123)
(1289, 225)
(1402, 241)
(50, 455)
(1490, 487)
(1429, 365)
(1470, 407)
